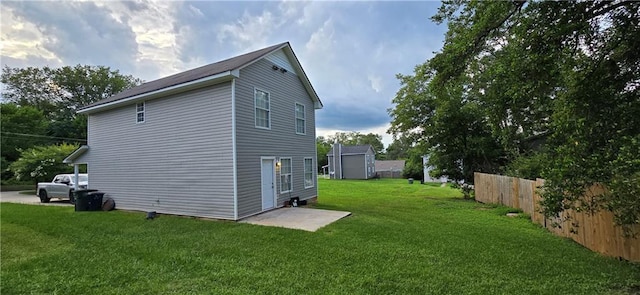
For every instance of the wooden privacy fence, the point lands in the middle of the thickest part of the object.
(597, 231)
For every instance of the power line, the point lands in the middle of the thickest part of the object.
(43, 136)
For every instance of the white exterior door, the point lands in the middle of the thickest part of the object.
(268, 184)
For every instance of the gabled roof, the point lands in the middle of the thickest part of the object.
(353, 149)
(213, 73)
(390, 165)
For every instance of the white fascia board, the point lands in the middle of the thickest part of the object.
(221, 77)
(78, 152)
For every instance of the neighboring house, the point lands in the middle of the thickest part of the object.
(351, 162)
(226, 140)
(390, 168)
(427, 169)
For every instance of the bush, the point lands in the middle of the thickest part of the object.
(42, 163)
(413, 170)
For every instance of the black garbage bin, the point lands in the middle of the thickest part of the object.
(95, 201)
(86, 199)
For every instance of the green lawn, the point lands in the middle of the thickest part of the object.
(400, 239)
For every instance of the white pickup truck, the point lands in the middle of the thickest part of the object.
(61, 187)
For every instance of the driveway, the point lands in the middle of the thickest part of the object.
(15, 197)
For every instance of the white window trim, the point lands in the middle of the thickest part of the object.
(144, 116)
(304, 164)
(290, 173)
(255, 107)
(304, 119)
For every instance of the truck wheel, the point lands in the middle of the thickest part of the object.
(43, 197)
(72, 199)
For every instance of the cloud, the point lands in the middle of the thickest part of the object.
(77, 32)
(350, 51)
(156, 38)
(22, 40)
(134, 37)
(251, 31)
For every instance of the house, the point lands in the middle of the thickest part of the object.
(426, 168)
(390, 168)
(351, 162)
(227, 140)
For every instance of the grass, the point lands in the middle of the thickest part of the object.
(16, 187)
(400, 239)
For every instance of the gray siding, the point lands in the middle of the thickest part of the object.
(335, 162)
(280, 59)
(332, 171)
(353, 167)
(179, 161)
(371, 163)
(280, 141)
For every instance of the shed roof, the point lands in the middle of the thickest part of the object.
(71, 159)
(390, 165)
(353, 149)
(222, 68)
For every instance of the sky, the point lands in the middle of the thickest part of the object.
(351, 51)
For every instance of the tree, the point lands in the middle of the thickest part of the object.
(513, 70)
(21, 127)
(357, 138)
(42, 163)
(399, 148)
(60, 92)
(31, 87)
(447, 125)
(322, 149)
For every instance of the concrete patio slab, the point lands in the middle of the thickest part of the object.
(297, 218)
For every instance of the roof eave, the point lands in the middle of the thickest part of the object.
(210, 80)
(77, 153)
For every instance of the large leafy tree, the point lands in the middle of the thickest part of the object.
(514, 70)
(399, 148)
(357, 138)
(324, 144)
(322, 149)
(448, 125)
(21, 127)
(59, 92)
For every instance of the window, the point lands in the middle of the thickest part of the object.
(300, 121)
(140, 112)
(308, 172)
(263, 113)
(285, 175)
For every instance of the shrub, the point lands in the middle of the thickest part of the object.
(41, 163)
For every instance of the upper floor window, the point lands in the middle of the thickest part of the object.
(300, 119)
(140, 112)
(285, 175)
(263, 111)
